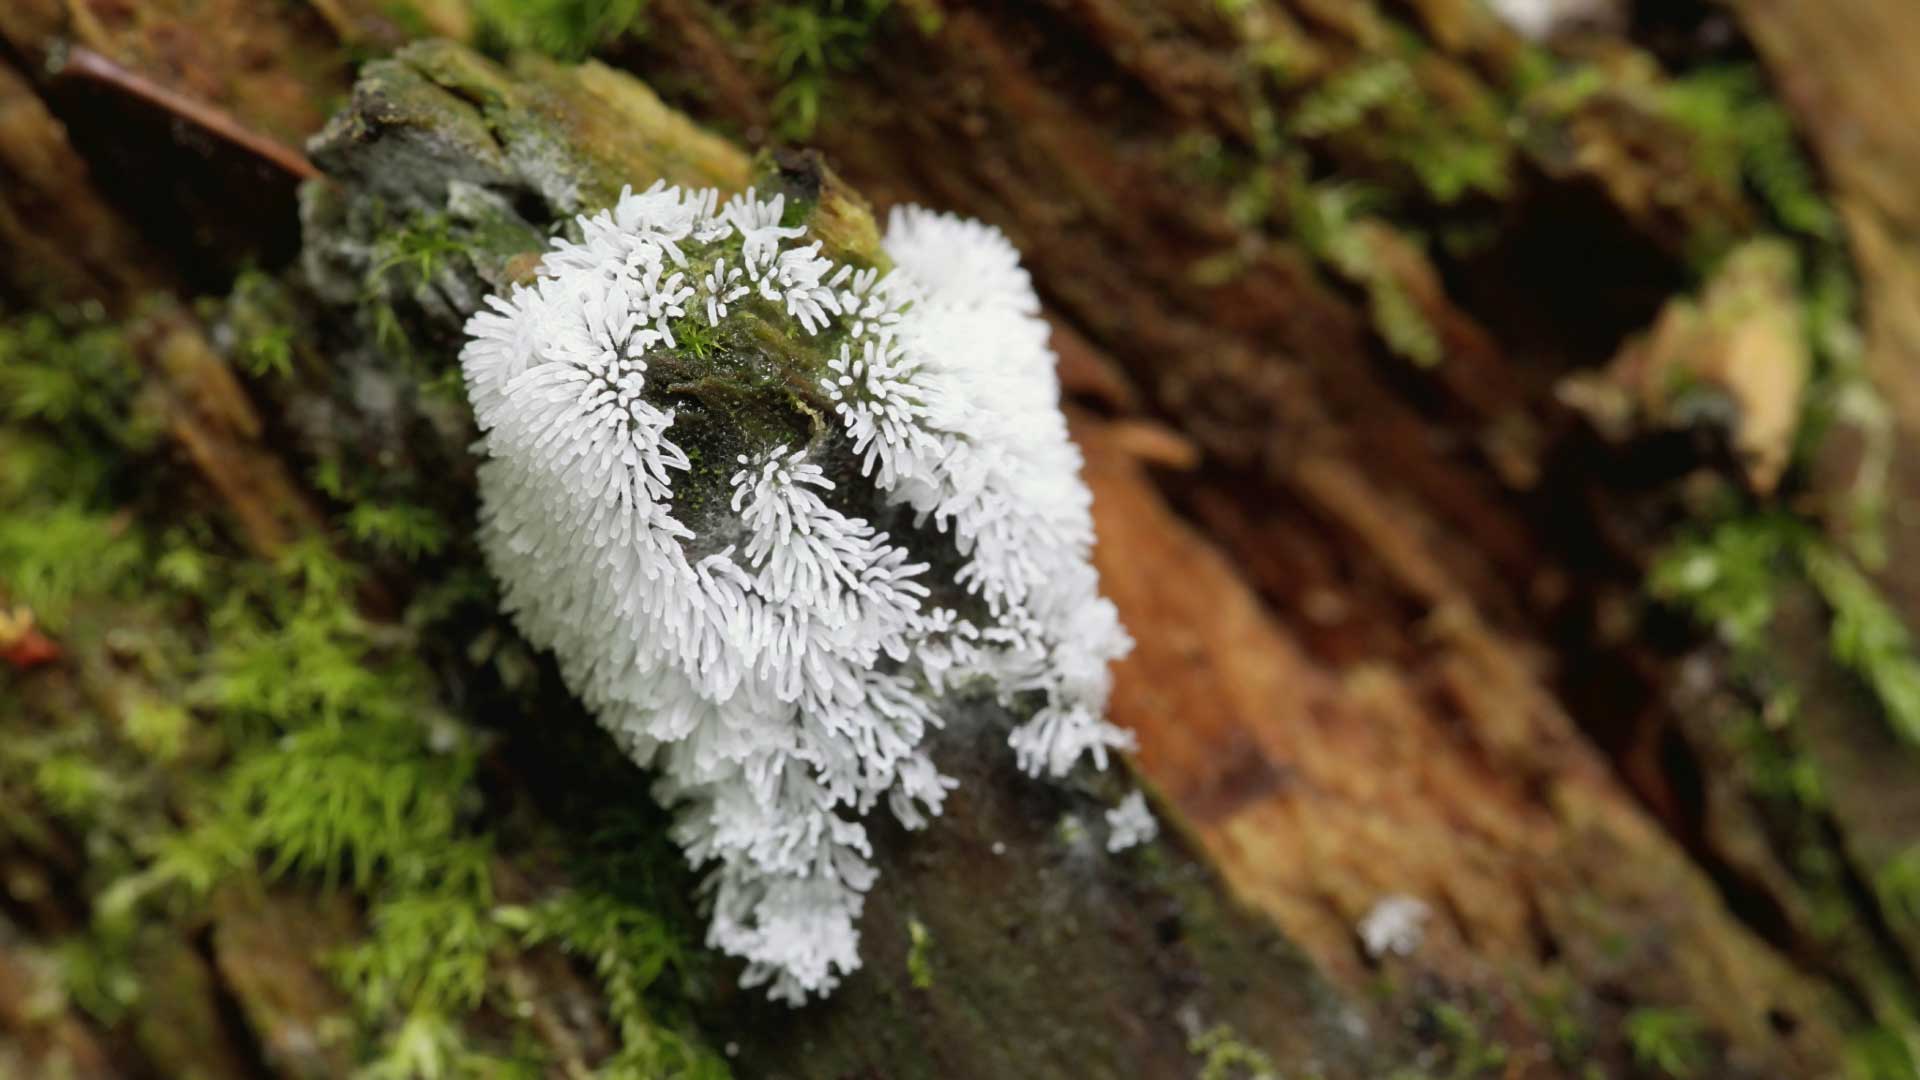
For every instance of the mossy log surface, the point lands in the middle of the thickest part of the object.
(1041, 941)
(1398, 353)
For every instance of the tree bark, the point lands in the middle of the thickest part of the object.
(1379, 480)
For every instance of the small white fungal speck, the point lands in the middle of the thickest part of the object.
(1130, 823)
(1396, 924)
(773, 640)
(1538, 20)
(999, 848)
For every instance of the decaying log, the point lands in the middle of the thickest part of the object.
(1382, 559)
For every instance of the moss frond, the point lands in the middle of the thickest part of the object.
(809, 43)
(564, 29)
(1667, 1042)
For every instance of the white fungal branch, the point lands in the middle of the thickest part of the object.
(1395, 925)
(1131, 823)
(784, 682)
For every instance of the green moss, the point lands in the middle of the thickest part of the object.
(73, 785)
(1772, 763)
(919, 954)
(417, 251)
(1376, 105)
(1330, 222)
(1451, 165)
(259, 317)
(806, 45)
(50, 557)
(68, 370)
(564, 29)
(1729, 574)
(1879, 1054)
(421, 263)
(97, 974)
(407, 531)
(429, 950)
(1732, 571)
(630, 950)
(1868, 638)
(1742, 135)
(1843, 394)
(1401, 323)
(272, 731)
(345, 773)
(1225, 1056)
(1666, 1042)
(158, 729)
(1469, 1052)
(360, 801)
(1344, 100)
(72, 421)
(1898, 886)
(1570, 1039)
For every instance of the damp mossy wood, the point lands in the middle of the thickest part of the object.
(1497, 436)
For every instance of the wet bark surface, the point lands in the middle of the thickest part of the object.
(1383, 555)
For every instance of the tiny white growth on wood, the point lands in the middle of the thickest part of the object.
(1396, 924)
(772, 513)
(1539, 20)
(1130, 823)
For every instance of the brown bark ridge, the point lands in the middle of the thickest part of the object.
(1383, 571)
(1827, 72)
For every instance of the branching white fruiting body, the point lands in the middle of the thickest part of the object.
(776, 642)
(1395, 925)
(1131, 824)
(1540, 20)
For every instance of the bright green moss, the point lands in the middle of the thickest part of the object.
(357, 801)
(1868, 638)
(1742, 135)
(407, 531)
(1452, 165)
(630, 950)
(415, 253)
(428, 949)
(1728, 574)
(1731, 576)
(68, 425)
(919, 954)
(806, 45)
(1450, 148)
(53, 555)
(1330, 221)
(266, 728)
(563, 29)
(420, 275)
(1400, 322)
